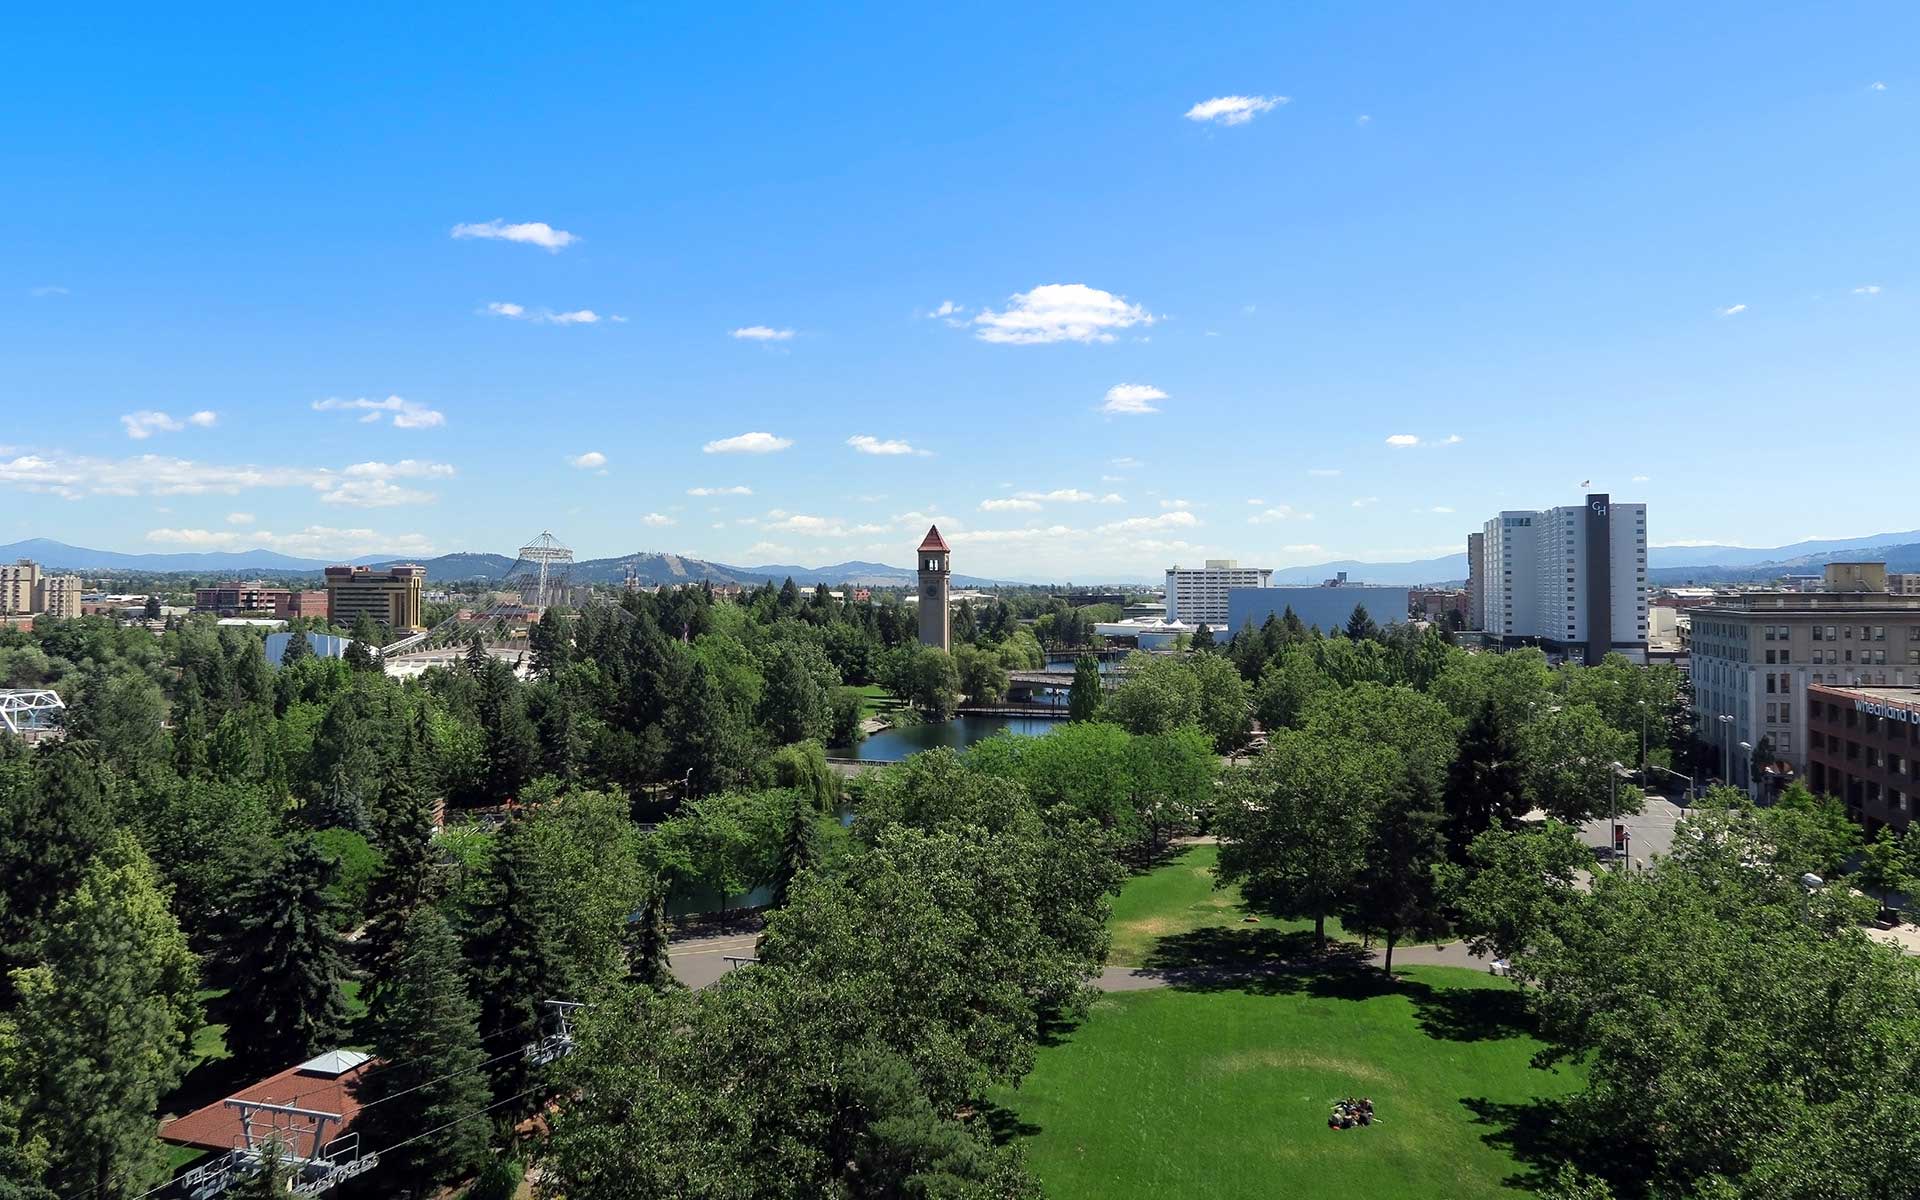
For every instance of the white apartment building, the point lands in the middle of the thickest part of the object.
(26, 590)
(1573, 578)
(1198, 595)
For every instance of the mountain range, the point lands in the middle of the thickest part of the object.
(1667, 565)
(650, 567)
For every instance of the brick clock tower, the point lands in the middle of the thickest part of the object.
(936, 626)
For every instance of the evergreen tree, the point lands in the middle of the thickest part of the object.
(507, 752)
(298, 648)
(1293, 630)
(1203, 638)
(54, 818)
(1486, 783)
(404, 882)
(425, 1027)
(284, 963)
(151, 610)
(252, 675)
(1396, 896)
(190, 735)
(1083, 700)
(649, 944)
(339, 805)
(268, 1179)
(514, 953)
(547, 641)
(367, 633)
(789, 596)
(799, 850)
(110, 1007)
(1360, 626)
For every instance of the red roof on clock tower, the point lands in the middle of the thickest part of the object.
(934, 541)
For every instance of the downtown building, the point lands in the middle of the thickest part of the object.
(1571, 580)
(390, 598)
(1200, 595)
(1755, 656)
(27, 590)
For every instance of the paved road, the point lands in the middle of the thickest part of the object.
(697, 962)
(1649, 832)
(1141, 979)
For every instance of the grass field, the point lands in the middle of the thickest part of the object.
(1225, 1093)
(876, 701)
(1176, 898)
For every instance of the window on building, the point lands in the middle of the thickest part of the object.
(1783, 742)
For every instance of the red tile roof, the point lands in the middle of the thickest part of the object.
(217, 1126)
(933, 540)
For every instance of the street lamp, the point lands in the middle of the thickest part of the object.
(1746, 752)
(1726, 742)
(1643, 733)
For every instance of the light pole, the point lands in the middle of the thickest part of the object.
(1746, 752)
(1726, 743)
(1643, 733)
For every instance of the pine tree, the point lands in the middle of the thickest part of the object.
(1360, 626)
(110, 1009)
(54, 817)
(297, 648)
(648, 950)
(507, 751)
(515, 954)
(405, 881)
(339, 805)
(1395, 895)
(284, 963)
(1203, 638)
(799, 852)
(1486, 783)
(268, 1179)
(548, 642)
(1083, 700)
(425, 1031)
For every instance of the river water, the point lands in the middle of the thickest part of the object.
(891, 745)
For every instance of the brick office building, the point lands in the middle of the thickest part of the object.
(1862, 743)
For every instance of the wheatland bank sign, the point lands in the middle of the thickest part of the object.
(1889, 711)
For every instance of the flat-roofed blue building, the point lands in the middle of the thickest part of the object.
(1324, 608)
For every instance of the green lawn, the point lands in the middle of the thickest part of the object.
(1176, 898)
(876, 701)
(1225, 1093)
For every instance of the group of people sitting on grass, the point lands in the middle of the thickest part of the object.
(1350, 1112)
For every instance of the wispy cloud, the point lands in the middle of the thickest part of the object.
(736, 490)
(239, 518)
(1406, 441)
(762, 333)
(78, 476)
(1640, 479)
(1366, 501)
(1324, 472)
(1132, 398)
(531, 233)
(1176, 504)
(1126, 464)
(1233, 110)
(1178, 519)
(747, 443)
(656, 520)
(1402, 440)
(147, 422)
(589, 461)
(50, 290)
(1876, 86)
(406, 414)
(1867, 289)
(1059, 312)
(1279, 512)
(1733, 310)
(314, 541)
(546, 316)
(1069, 496)
(1013, 504)
(868, 444)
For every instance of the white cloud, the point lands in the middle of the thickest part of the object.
(314, 541)
(1176, 504)
(147, 422)
(1452, 439)
(1733, 310)
(1304, 548)
(1867, 289)
(1256, 502)
(762, 333)
(948, 309)
(1403, 440)
(747, 443)
(868, 444)
(1178, 519)
(1034, 533)
(239, 518)
(407, 414)
(589, 460)
(1132, 398)
(373, 493)
(1012, 505)
(1440, 508)
(546, 316)
(1366, 502)
(1059, 496)
(1640, 479)
(1126, 464)
(1279, 512)
(736, 490)
(76, 476)
(1060, 312)
(1876, 86)
(531, 233)
(1234, 110)
(656, 520)
(50, 290)
(1363, 119)
(1324, 472)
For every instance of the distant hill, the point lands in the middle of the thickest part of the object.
(60, 556)
(1747, 556)
(1897, 558)
(1450, 569)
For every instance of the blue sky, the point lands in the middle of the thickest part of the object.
(1666, 249)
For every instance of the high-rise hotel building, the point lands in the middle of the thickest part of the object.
(1572, 579)
(1198, 595)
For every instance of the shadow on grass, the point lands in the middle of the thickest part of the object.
(1004, 1124)
(213, 1079)
(1542, 1135)
(1271, 962)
